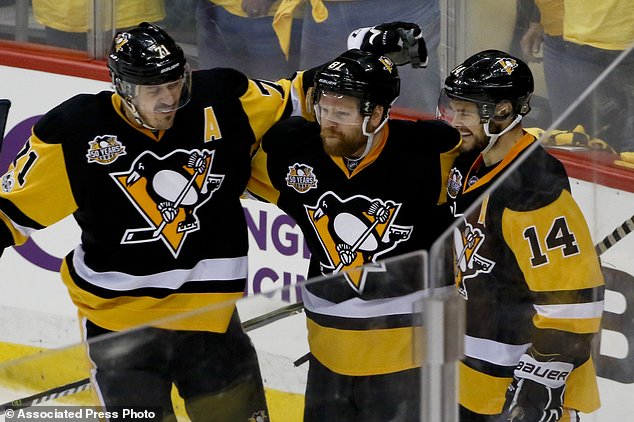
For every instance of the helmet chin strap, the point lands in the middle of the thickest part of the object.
(369, 135)
(493, 137)
(136, 115)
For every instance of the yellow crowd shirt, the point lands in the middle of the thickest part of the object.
(606, 24)
(72, 15)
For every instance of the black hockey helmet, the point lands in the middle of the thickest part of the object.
(371, 78)
(146, 55)
(488, 78)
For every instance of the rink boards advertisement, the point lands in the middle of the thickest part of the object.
(278, 254)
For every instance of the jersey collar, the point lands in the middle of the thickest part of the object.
(524, 142)
(368, 159)
(117, 103)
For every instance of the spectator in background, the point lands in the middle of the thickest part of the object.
(580, 39)
(239, 34)
(66, 21)
(327, 24)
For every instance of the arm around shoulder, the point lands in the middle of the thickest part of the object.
(446, 138)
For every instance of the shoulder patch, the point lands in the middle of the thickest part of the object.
(301, 178)
(454, 182)
(104, 149)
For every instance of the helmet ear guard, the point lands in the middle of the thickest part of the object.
(124, 90)
(503, 110)
(523, 105)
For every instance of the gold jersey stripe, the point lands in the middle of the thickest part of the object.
(485, 394)
(572, 325)
(481, 393)
(366, 352)
(582, 392)
(213, 310)
(16, 231)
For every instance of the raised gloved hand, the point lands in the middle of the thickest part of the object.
(401, 41)
(536, 393)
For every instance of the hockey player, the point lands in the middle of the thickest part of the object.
(524, 259)
(153, 174)
(363, 188)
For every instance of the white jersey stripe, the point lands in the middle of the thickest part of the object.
(204, 270)
(493, 351)
(359, 308)
(574, 310)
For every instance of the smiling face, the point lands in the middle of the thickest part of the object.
(464, 116)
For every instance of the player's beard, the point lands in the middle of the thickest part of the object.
(473, 140)
(340, 144)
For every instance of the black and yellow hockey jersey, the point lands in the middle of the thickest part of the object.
(525, 262)
(134, 266)
(363, 322)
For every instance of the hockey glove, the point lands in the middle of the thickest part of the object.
(536, 393)
(401, 41)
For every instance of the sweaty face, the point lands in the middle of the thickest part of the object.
(464, 116)
(340, 122)
(157, 104)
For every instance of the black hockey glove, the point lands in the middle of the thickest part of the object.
(536, 393)
(401, 41)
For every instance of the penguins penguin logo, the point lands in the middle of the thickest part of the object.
(467, 262)
(355, 232)
(167, 191)
(507, 64)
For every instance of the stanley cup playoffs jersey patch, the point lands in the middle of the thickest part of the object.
(454, 183)
(167, 191)
(354, 232)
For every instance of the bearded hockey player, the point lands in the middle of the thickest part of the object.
(524, 259)
(153, 174)
(363, 188)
